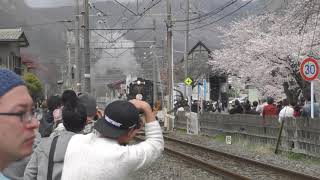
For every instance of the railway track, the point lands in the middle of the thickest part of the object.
(227, 165)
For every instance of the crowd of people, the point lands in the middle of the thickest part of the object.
(264, 107)
(71, 138)
(284, 108)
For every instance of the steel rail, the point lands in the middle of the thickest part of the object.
(203, 165)
(296, 175)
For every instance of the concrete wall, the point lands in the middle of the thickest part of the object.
(299, 135)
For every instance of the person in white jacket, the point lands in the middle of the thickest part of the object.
(286, 111)
(104, 154)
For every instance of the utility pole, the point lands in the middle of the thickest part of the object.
(154, 66)
(77, 83)
(169, 55)
(87, 61)
(186, 49)
(69, 78)
(62, 78)
(186, 44)
(137, 6)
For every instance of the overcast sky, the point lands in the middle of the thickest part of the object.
(58, 3)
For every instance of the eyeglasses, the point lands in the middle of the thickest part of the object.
(25, 116)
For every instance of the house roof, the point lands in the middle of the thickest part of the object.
(199, 44)
(14, 35)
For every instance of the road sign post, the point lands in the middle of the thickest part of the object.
(188, 81)
(309, 70)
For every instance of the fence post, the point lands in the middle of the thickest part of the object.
(279, 137)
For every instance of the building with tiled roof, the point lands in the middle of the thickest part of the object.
(11, 40)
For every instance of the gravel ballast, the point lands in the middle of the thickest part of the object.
(263, 154)
(169, 167)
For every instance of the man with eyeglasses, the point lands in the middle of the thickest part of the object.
(17, 119)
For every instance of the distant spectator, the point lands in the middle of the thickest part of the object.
(91, 107)
(287, 111)
(237, 109)
(297, 111)
(246, 107)
(194, 106)
(69, 98)
(262, 104)
(270, 109)
(279, 106)
(255, 104)
(254, 107)
(47, 122)
(219, 106)
(306, 109)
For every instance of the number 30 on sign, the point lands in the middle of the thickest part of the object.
(309, 69)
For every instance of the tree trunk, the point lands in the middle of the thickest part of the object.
(292, 93)
(299, 85)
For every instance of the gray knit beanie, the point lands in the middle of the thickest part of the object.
(8, 80)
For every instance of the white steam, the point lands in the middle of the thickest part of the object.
(115, 55)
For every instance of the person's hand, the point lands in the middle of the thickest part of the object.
(99, 113)
(145, 108)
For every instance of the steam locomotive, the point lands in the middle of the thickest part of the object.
(143, 87)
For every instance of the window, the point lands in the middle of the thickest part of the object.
(11, 60)
(17, 64)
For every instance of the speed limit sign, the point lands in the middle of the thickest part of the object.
(309, 69)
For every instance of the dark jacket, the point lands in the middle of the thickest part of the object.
(46, 124)
(236, 110)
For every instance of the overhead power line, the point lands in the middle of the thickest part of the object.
(126, 7)
(117, 29)
(97, 9)
(211, 13)
(40, 24)
(229, 14)
(141, 15)
(132, 47)
(147, 9)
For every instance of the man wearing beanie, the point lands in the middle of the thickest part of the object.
(103, 155)
(17, 122)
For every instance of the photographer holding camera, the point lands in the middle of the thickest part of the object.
(104, 154)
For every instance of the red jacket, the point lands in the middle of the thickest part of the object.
(270, 110)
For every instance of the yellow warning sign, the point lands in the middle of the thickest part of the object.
(188, 81)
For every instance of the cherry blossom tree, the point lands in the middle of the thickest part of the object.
(265, 51)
